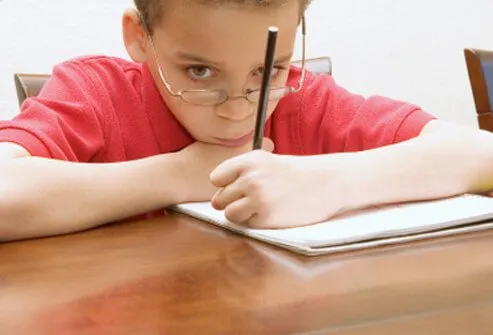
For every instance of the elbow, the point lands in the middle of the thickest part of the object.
(480, 161)
(9, 227)
(15, 217)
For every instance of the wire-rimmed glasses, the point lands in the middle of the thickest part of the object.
(219, 96)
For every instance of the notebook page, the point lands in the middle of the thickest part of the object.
(393, 220)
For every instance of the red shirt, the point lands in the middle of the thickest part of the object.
(103, 109)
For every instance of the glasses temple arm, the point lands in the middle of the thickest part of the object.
(303, 54)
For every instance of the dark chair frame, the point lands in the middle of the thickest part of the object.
(475, 61)
(29, 85)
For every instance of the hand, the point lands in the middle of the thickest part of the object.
(263, 190)
(199, 159)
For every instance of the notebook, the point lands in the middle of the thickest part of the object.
(371, 227)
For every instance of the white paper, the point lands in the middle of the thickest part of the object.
(364, 225)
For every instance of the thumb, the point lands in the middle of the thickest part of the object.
(267, 144)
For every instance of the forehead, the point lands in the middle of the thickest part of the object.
(226, 33)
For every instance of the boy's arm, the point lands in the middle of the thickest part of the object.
(42, 197)
(444, 160)
(271, 191)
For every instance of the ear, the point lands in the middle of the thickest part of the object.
(134, 36)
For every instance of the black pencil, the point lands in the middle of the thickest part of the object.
(265, 88)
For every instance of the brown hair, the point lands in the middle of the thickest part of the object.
(152, 10)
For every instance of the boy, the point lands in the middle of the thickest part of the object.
(109, 139)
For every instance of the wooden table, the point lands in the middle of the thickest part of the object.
(175, 275)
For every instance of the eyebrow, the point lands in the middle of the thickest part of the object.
(196, 58)
(279, 60)
(200, 59)
(284, 58)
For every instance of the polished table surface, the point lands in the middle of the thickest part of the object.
(176, 275)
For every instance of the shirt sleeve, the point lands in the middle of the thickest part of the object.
(64, 121)
(336, 120)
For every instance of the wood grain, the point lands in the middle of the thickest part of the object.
(176, 275)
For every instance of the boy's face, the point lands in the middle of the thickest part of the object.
(204, 47)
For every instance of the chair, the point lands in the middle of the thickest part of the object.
(28, 85)
(480, 68)
(319, 65)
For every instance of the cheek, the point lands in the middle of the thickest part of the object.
(271, 107)
(189, 114)
(282, 79)
(194, 119)
(182, 111)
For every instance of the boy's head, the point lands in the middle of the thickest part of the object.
(212, 45)
(152, 10)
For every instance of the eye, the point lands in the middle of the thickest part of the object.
(259, 72)
(199, 72)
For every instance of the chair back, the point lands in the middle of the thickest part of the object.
(480, 69)
(319, 65)
(29, 85)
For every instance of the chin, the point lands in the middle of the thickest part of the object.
(204, 139)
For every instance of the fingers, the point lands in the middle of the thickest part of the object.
(227, 195)
(230, 170)
(226, 173)
(267, 144)
(240, 211)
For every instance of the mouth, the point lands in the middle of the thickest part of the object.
(235, 142)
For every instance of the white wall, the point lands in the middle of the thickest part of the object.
(410, 50)
(37, 34)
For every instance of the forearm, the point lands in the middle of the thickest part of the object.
(434, 165)
(43, 197)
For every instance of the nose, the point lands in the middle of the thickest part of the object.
(235, 109)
